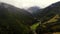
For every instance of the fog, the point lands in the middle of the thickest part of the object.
(28, 3)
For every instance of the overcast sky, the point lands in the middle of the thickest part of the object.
(29, 3)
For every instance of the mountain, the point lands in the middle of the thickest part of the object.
(50, 19)
(24, 15)
(14, 20)
(35, 11)
(50, 11)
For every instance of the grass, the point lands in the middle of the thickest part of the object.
(34, 26)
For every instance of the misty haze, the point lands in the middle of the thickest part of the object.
(29, 17)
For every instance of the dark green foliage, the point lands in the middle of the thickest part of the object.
(47, 14)
(14, 20)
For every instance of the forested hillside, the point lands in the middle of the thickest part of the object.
(50, 19)
(14, 20)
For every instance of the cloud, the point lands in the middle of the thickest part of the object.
(29, 3)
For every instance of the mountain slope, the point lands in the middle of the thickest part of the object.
(24, 15)
(50, 19)
(35, 11)
(14, 20)
(50, 11)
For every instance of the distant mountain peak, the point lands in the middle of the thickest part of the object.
(33, 9)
